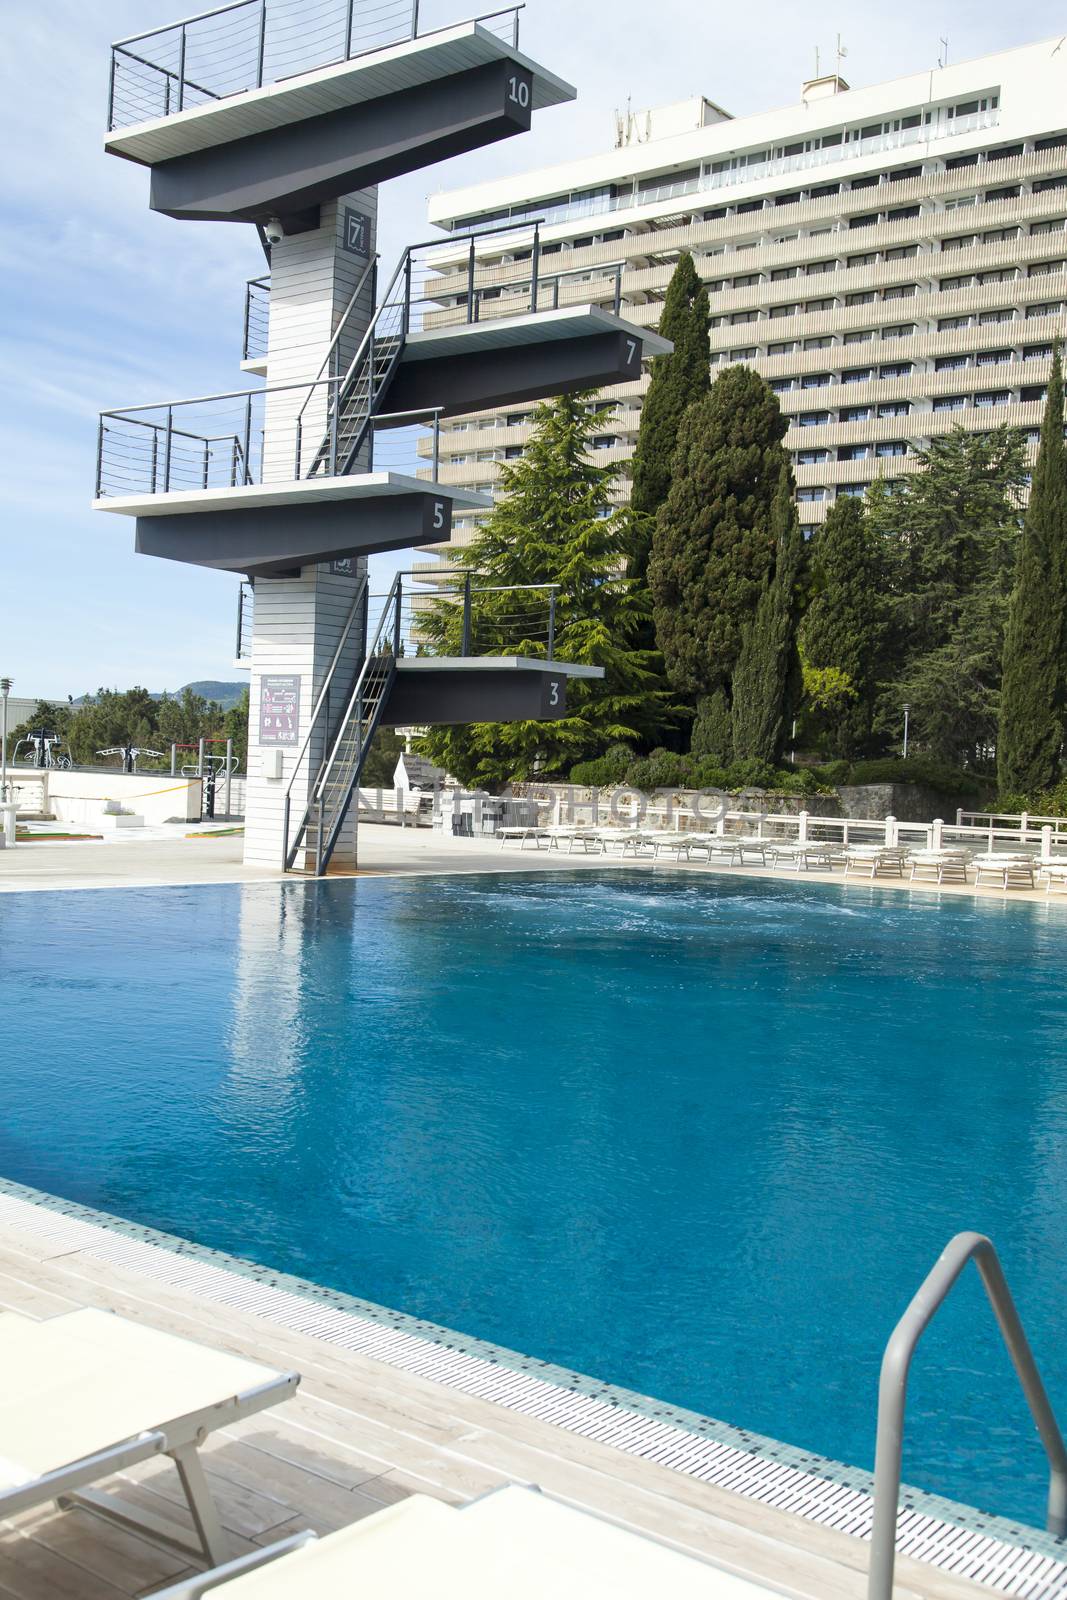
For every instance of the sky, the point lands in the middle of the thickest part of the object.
(106, 304)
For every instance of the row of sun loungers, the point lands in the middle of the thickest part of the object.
(89, 1394)
(948, 865)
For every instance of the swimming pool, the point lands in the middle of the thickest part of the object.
(699, 1138)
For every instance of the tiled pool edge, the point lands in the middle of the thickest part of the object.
(987, 1549)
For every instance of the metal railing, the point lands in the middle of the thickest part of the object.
(331, 792)
(467, 618)
(250, 43)
(223, 442)
(257, 319)
(892, 1394)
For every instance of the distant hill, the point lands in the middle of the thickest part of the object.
(226, 694)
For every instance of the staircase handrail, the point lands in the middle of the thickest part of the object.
(353, 611)
(368, 269)
(390, 612)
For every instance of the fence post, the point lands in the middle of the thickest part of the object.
(1046, 842)
(181, 70)
(959, 816)
(207, 462)
(248, 437)
(470, 283)
(166, 448)
(436, 445)
(1024, 823)
(890, 832)
(414, 19)
(465, 647)
(551, 624)
(174, 760)
(348, 30)
(397, 617)
(200, 759)
(802, 827)
(935, 833)
(229, 773)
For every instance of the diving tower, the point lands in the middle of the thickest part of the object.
(286, 115)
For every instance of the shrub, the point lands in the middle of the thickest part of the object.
(707, 773)
(605, 770)
(830, 773)
(663, 769)
(751, 775)
(939, 775)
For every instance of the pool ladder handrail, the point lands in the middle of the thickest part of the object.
(892, 1394)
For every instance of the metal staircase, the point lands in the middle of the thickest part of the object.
(316, 834)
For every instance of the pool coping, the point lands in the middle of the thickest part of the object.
(985, 1548)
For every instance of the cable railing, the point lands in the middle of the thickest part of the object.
(246, 602)
(257, 319)
(469, 617)
(327, 427)
(250, 43)
(249, 436)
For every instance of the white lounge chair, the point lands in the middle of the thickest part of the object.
(529, 835)
(88, 1394)
(1054, 871)
(679, 844)
(1014, 872)
(513, 1544)
(947, 866)
(876, 858)
(815, 853)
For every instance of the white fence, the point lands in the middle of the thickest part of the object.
(1023, 827)
(707, 815)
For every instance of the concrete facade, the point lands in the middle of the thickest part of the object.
(893, 260)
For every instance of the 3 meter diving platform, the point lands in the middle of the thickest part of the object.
(429, 690)
(235, 146)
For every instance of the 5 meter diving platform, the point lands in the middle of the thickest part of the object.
(260, 132)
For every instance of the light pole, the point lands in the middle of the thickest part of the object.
(5, 690)
(907, 708)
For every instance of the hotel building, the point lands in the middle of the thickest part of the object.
(890, 259)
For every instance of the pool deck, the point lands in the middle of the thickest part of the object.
(359, 1435)
(178, 856)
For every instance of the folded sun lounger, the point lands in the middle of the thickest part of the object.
(88, 1394)
(513, 1544)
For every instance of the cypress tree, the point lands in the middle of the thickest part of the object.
(677, 380)
(1032, 698)
(548, 526)
(845, 624)
(714, 545)
(766, 677)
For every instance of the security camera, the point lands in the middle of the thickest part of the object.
(274, 231)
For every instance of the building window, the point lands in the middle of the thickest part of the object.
(1037, 352)
(1043, 185)
(739, 317)
(893, 408)
(1032, 392)
(1044, 269)
(815, 269)
(895, 369)
(780, 274)
(865, 298)
(856, 414)
(900, 330)
(891, 447)
(902, 252)
(949, 285)
(869, 219)
(747, 280)
(993, 397)
(959, 241)
(902, 213)
(811, 458)
(1047, 308)
(947, 324)
(822, 341)
(784, 311)
(1009, 191)
(999, 275)
(857, 375)
(1003, 314)
(901, 291)
(782, 347)
(813, 419)
(859, 336)
(854, 452)
(852, 491)
(951, 402)
(991, 358)
(749, 353)
(780, 385)
(807, 495)
(999, 235)
(512, 452)
(604, 441)
(1054, 225)
(950, 363)
(815, 380)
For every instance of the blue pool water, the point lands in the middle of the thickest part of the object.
(702, 1139)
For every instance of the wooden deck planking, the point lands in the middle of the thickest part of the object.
(357, 1436)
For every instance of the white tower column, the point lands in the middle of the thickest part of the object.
(299, 619)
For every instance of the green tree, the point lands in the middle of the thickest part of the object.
(1033, 697)
(677, 380)
(844, 627)
(948, 537)
(551, 524)
(714, 544)
(767, 677)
